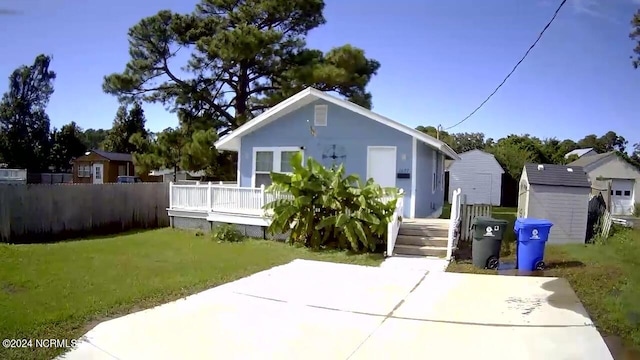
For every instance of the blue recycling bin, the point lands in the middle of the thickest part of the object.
(532, 235)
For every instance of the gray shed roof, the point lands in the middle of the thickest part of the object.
(557, 175)
(114, 156)
(588, 160)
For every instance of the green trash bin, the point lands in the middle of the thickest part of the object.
(487, 239)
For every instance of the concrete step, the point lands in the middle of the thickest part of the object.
(439, 241)
(436, 251)
(423, 231)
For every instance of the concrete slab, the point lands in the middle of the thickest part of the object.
(419, 263)
(411, 339)
(363, 289)
(319, 310)
(498, 300)
(230, 326)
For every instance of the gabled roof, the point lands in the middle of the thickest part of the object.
(556, 175)
(578, 152)
(449, 163)
(231, 142)
(113, 156)
(589, 160)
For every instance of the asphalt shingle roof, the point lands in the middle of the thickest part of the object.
(114, 156)
(588, 160)
(557, 175)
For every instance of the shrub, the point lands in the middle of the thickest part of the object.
(636, 209)
(227, 233)
(328, 208)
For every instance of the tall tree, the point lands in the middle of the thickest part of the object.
(246, 56)
(635, 36)
(67, 144)
(93, 138)
(24, 123)
(125, 125)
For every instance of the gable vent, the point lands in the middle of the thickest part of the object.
(320, 115)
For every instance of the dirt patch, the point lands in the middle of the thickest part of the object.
(11, 289)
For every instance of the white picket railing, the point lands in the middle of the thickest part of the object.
(394, 225)
(452, 238)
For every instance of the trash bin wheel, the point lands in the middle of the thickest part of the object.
(540, 265)
(492, 263)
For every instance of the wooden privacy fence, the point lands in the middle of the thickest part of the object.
(468, 213)
(42, 213)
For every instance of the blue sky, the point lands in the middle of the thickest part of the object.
(440, 59)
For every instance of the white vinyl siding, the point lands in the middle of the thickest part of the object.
(479, 175)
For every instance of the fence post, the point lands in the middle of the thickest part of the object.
(263, 196)
(170, 194)
(209, 202)
(221, 183)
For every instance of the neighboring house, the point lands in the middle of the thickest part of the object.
(624, 179)
(581, 153)
(181, 175)
(13, 176)
(479, 175)
(559, 194)
(98, 167)
(334, 131)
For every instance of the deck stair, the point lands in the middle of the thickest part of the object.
(423, 237)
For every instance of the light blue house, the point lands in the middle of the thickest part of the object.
(334, 131)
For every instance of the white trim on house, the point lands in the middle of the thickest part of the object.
(230, 141)
(414, 175)
(277, 166)
(239, 166)
(434, 172)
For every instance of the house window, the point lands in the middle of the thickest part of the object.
(320, 115)
(627, 193)
(84, 171)
(269, 160)
(122, 170)
(618, 192)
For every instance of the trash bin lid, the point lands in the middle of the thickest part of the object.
(530, 222)
(488, 221)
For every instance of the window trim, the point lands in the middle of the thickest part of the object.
(84, 171)
(442, 159)
(277, 166)
(321, 107)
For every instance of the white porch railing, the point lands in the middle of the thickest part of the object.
(220, 197)
(394, 225)
(452, 238)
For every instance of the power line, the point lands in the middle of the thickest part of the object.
(514, 68)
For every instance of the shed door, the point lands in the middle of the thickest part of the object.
(622, 196)
(381, 165)
(98, 173)
(478, 190)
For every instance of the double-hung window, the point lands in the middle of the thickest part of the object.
(84, 171)
(267, 160)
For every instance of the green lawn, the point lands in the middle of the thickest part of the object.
(606, 277)
(61, 290)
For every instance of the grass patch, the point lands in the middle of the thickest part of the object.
(59, 290)
(606, 278)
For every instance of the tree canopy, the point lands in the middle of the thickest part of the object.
(244, 57)
(24, 123)
(125, 125)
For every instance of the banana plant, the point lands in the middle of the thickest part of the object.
(326, 206)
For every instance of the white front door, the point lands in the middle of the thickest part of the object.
(381, 165)
(622, 196)
(98, 173)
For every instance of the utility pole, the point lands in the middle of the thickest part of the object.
(438, 129)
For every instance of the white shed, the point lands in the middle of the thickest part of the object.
(559, 194)
(479, 175)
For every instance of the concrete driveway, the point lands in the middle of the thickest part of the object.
(317, 310)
